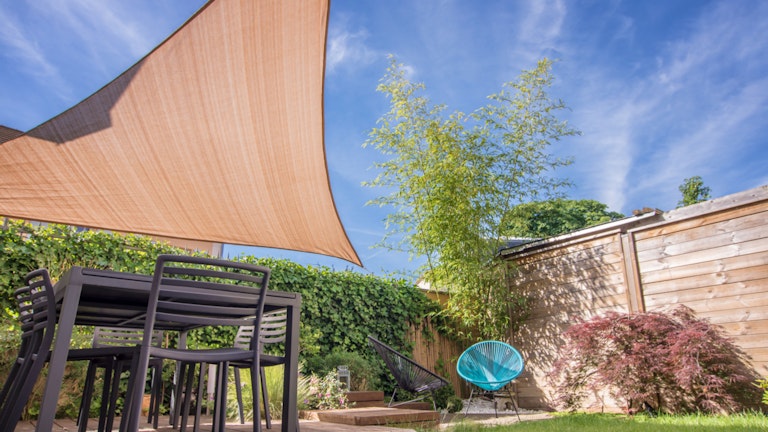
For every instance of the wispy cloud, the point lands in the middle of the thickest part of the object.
(705, 78)
(22, 49)
(347, 46)
(104, 32)
(643, 135)
(542, 22)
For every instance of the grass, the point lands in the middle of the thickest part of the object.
(756, 422)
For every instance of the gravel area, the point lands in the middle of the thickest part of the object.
(481, 411)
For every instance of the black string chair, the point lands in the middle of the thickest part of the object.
(409, 375)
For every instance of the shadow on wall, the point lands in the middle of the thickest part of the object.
(565, 285)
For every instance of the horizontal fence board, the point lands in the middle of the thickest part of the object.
(678, 248)
(739, 302)
(743, 328)
(713, 266)
(729, 280)
(721, 317)
(727, 225)
(732, 250)
(667, 297)
(703, 220)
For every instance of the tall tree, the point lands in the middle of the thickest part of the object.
(451, 179)
(693, 191)
(553, 217)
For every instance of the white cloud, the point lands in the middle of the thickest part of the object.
(346, 47)
(644, 134)
(26, 52)
(543, 22)
(104, 30)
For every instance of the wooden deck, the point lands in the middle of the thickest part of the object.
(66, 425)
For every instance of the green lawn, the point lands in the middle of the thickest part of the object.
(610, 422)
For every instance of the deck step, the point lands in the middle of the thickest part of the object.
(380, 416)
(365, 396)
(426, 406)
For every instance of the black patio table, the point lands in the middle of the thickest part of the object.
(108, 298)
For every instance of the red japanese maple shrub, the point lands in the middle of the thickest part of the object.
(671, 362)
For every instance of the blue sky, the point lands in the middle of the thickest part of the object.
(661, 90)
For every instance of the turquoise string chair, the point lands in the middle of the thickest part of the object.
(490, 366)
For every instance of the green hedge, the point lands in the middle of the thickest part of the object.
(339, 309)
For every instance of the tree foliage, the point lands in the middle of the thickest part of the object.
(693, 191)
(673, 362)
(542, 219)
(450, 179)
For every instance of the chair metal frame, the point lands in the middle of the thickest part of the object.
(113, 349)
(490, 366)
(273, 327)
(409, 375)
(197, 292)
(37, 314)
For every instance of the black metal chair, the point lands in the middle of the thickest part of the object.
(37, 314)
(273, 327)
(195, 292)
(409, 375)
(113, 349)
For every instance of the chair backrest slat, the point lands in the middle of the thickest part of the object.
(204, 291)
(119, 336)
(272, 330)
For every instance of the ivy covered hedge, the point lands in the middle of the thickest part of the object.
(339, 308)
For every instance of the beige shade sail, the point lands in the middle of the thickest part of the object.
(216, 135)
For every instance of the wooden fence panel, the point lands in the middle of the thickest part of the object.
(711, 257)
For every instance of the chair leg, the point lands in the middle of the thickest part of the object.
(513, 401)
(119, 367)
(265, 397)
(187, 396)
(178, 375)
(469, 402)
(157, 395)
(177, 398)
(220, 395)
(106, 396)
(200, 400)
(85, 400)
(255, 382)
(239, 393)
(392, 399)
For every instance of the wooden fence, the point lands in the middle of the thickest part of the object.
(711, 257)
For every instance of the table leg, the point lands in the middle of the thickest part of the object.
(60, 352)
(290, 421)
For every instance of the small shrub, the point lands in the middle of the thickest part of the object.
(445, 398)
(326, 393)
(273, 376)
(672, 361)
(362, 374)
